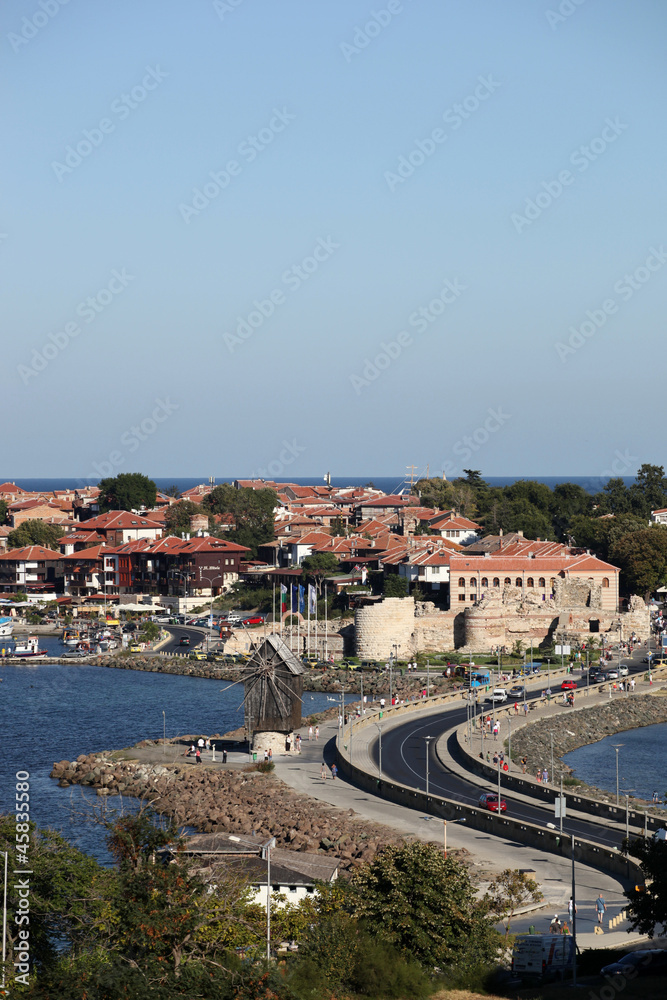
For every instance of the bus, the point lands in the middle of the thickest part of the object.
(479, 678)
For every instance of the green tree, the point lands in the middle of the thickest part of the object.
(568, 501)
(615, 498)
(150, 631)
(395, 585)
(647, 906)
(172, 491)
(35, 532)
(649, 490)
(4, 507)
(318, 566)
(642, 559)
(424, 904)
(508, 892)
(338, 527)
(127, 491)
(177, 519)
(253, 512)
(600, 534)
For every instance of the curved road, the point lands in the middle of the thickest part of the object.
(404, 760)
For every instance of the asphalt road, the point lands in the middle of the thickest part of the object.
(196, 635)
(404, 751)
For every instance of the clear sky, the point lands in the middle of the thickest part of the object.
(250, 236)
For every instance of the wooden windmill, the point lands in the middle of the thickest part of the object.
(273, 689)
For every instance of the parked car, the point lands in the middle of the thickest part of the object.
(134, 647)
(310, 661)
(489, 800)
(197, 654)
(74, 654)
(516, 692)
(253, 620)
(184, 640)
(646, 962)
(163, 619)
(568, 685)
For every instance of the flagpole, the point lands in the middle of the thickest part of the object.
(308, 640)
(298, 621)
(273, 607)
(326, 624)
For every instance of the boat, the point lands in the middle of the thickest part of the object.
(6, 627)
(29, 647)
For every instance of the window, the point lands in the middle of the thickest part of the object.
(496, 581)
(462, 597)
(605, 582)
(519, 581)
(473, 597)
(292, 888)
(530, 582)
(553, 582)
(473, 581)
(543, 582)
(485, 582)
(508, 582)
(462, 582)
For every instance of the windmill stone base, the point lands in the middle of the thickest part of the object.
(276, 742)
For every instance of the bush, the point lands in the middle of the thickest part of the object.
(264, 766)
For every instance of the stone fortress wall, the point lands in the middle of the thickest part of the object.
(498, 618)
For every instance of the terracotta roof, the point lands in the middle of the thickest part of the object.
(119, 519)
(29, 553)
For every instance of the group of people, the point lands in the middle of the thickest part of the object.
(323, 771)
(202, 744)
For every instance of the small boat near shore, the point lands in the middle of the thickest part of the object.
(28, 648)
(6, 627)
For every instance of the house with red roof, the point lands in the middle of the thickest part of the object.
(120, 526)
(33, 569)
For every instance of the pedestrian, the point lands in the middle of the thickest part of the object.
(298, 743)
(288, 743)
(334, 771)
(539, 775)
(208, 743)
(488, 755)
(525, 708)
(200, 743)
(571, 908)
(601, 908)
(555, 925)
(516, 708)
(524, 762)
(191, 751)
(270, 753)
(323, 771)
(495, 759)
(545, 776)
(496, 730)
(224, 756)
(266, 756)
(198, 756)
(310, 732)
(382, 703)
(317, 732)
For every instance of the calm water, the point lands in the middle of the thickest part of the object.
(57, 712)
(642, 762)
(389, 484)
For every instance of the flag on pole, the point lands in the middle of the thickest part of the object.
(302, 598)
(312, 599)
(283, 598)
(294, 606)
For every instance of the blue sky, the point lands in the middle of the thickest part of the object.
(342, 235)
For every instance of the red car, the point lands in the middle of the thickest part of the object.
(255, 620)
(489, 800)
(568, 686)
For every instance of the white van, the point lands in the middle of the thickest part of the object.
(498, 696)
(542, 956)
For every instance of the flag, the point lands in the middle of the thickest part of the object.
(364, 574)
(312, 599)
(302, 598)
(283, 598)
(294, 607)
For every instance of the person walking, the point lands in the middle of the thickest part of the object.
(545, 776)
(524, 762)
(601, 908)
(198, 756)
(571, 909)
(323, 771)
(310, 732)
(317, 732)
(334, 771)
(224, 756)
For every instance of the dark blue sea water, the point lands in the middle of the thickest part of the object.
(390, 484)
(51, 713)
(642, 762)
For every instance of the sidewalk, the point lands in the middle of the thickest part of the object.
(490, 855)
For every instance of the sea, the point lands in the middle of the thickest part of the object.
(389, 484)
(56, 712)
(642, 762)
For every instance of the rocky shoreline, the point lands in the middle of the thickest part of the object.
(234, 801)
(581, 728)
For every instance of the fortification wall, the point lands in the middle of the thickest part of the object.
(381, 626)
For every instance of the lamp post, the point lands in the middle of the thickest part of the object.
(428, 680)
(266, 849)
(378, 726)
(617, 747)
(164, 733)
(574, 922)
(210, 615)
(427, 740)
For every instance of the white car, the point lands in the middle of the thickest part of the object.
(498, 695)
(623, 670)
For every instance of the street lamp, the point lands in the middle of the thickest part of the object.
(617, 747)
(210, 616)
(266, 852)
(4, 922)
(378, 726)
(427, 740)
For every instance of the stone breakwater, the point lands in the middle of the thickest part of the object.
(237, 802)
(578, 729)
